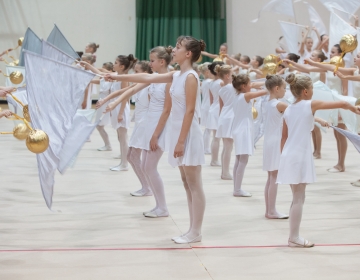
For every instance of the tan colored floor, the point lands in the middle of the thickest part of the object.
(101, 225)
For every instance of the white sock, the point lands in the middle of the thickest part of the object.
(298, 191)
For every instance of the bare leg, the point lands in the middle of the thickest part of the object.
(105, 138)
(215, 146)
(134, 158)
(271, 194)
(156, 183)
(193, 187)
(341, 143)
(225, 159)
(296, 209)
(239, 175)
(206, 137)
(317, 139)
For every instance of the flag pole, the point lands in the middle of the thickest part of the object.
(292, 3)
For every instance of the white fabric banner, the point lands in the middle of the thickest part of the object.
(58, 40)
(50, 51)
(54, 92)
(339, 28)
(353, 138)
(292, 35)
(316, 20)
(344, 15)
(283, 7)
(349, 6)
(31, 43)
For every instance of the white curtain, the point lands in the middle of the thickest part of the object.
(292, 35)
(59, 40)
(54, 92)
(283, 7)
(50, 51)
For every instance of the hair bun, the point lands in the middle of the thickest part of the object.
(202, 45)
(169, 49)
(233, 77)
(131, 57)
(269, 76)
(217, 69)
(97, 46)
(291, 79)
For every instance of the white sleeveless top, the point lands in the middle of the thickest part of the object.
(114, 113)
(333, 82)
(105, 88)
(205, 101)
(141, 104)
(214, 110)
(296, 160)
(227, 94)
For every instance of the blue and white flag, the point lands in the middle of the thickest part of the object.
(58, 40)
(31, 43)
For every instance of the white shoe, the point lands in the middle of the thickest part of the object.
(184, 240)
(119, 168)
(156, 214)
(117, 157)
(105, 148)
(141, 193)
(215, 163)
(242, 193)
(226, 177)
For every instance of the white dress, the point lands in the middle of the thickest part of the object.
(243, 126)
(104, 91)
(356, 93)
(214, 111)
(205, 102)
(296, 160)
(141, 108)
(272, 136)
(227, 94)
(315, 76)
(145, 129)
(194, 145)
(114, 113)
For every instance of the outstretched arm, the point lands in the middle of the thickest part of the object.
(209, 54)
(302, 46)
(303, 67)
(350, 77)
(90, 67)
(253, 94)
(141, 78)
(323, 105)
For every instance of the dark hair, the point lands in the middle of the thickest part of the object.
(259, 59)
(80, 54)
(94, 46)
(145, 66)
(322, 36)
(273, 81)
(163, 53)
(247, 58)
(320, 54)
(108, 66)
(194, 45)
(293, 57)
(128, 61)
(281, 37)
(239, 80)
(212, 66)
(337, 46)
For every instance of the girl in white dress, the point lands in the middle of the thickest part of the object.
(214, 112)
(223, 50)
(150, 133)
(186, 145)
(227, 96)
(272, 137)
(86, 103)
(205, 103)
(306, 45)
(296, 161)
(243, 129)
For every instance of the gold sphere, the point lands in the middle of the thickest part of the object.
(254, 112)
(26, 113)
(37, 141)
(337, 60)
(21, 131)
(16, 77)
(200, 59)
(271, 58)
(269, 68)
(348, 43)
(357, 103)
(20, 41)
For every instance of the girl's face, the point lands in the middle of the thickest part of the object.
(314, 57)
(137, 69)
(89, 49)
(180, 53)
(228, 77)
(280, 91)
(253, 62)
(325, 37)
(243, 60)
(247, 87)
(156, 64)
(309, 44)
(357, 60)
(118, 67)
(334, 52)
(223, 50)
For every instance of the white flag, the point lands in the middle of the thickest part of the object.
(283, 7)
(57, 38)
(344, 15)
(50, 51)
(353, 137)
(349, 6)
(316, 20)
(31, 43)
(54, 92)
(292, 35)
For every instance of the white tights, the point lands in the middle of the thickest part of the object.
(149, 167)
(124, 147)
(206, 137)
(134, 158)
(191, 177)
(298, 191)
(215, 146)
(104, 135)
(225, 158)
(270, 197)
(239, 170)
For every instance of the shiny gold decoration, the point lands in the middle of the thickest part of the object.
(348, 43)
(338, 61)
(37, 141)
(357, 103)
(16, 77)
(200, 59)
(269, 68)
(20, 42)
(271, 58)
(21, 131)
(254, 111)
(26, 113)
(220, 57)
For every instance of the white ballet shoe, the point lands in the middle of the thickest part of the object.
(141, 193)
(355, 184)
(119, 168)
(242, 193)
(149, 211)
(334, 170)
(185, 240)
(157, 214)
(277, 216)
(226, 177)
(215, 163)
(117, 157)
(307, 244)
(176, 237)
(105, 148)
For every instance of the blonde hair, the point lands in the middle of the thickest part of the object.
(163, 53)
(273, 81)
(94, 46)
(204, 67)
(222, 70)
(298, 83)
(89, 57)
(239, 80)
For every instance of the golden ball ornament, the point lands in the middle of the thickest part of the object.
(37, 141)
(348, 43)
(21, 131)
(16, 77)
(26, 113)
(271, 58)
(337, 60)
(269, 68)
(20, 41)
